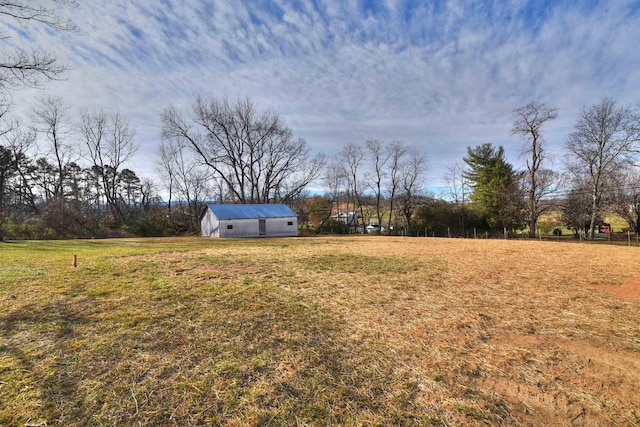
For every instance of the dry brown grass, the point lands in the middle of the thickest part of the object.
(315, 331)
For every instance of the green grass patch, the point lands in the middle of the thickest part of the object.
(354, 263)
(136, 333)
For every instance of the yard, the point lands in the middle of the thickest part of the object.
(357, 330)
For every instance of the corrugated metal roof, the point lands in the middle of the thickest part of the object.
(224, 211)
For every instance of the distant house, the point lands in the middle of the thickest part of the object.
(266, 220)
(348, 218)
(375, 228)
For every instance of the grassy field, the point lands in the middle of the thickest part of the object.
(319, 331)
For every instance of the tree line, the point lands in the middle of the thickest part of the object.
(66, 178)
(69, 176)
(486, 193)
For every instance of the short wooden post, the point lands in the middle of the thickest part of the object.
(75, 261)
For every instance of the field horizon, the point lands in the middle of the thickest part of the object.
(331, 330)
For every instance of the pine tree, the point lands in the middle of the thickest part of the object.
(496, 190)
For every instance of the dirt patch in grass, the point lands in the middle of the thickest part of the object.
(625, 291)
(319, 331)
(569, 381)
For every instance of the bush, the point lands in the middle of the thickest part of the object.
(32, 228)
(331, 226)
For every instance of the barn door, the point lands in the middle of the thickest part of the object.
(262, 224)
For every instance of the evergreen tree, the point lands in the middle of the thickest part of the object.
(496, 190)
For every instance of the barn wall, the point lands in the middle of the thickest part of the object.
(279, 227)
(276, 227)
(241, 227)
(209, 225)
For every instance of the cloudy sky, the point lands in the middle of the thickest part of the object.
(443, 75)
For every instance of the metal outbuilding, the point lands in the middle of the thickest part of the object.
(248, 220)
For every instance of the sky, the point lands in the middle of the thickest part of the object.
(441, 75)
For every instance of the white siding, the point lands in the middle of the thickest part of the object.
(236, 221)
(241, 228)
(280, 227)
(210, 226)
(276, 227)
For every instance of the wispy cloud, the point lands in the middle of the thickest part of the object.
(443, 75)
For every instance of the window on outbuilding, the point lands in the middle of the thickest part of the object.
(290, 223)
(230, 227)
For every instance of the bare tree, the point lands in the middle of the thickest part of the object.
(334, 181)
(18, 67)
(109, 142)
(459, 189)
(624, 195)
(351, 159)
(253, 153)
(527, 123)
(166, 168)
(188, 179)
(604, 139)
(548, 182)
(52, 117)
(379, 156)
(149, 195)
(412, 172)
(396, 152)
(5, 125)
(576, 205)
